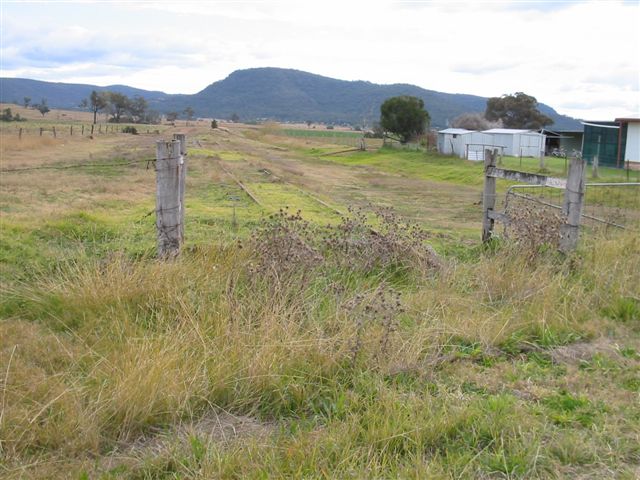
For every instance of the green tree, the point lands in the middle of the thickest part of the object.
(42, 107)
(214, 123)
(119, 105)
(189, 113)
(172, 116)
(404, 116)
(516, 111)
(138, 109)
(26, 102)
(96, 102)
(235, 118)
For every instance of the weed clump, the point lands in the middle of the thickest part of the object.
(286, 243)
(533, 228)
(355, 243)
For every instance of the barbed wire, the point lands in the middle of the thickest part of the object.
(76, 165)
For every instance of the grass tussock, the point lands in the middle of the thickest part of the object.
(357, 367)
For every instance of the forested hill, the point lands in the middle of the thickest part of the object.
(273, 93)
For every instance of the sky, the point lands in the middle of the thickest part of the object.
(580, 57)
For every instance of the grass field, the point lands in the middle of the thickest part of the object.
(277, 348)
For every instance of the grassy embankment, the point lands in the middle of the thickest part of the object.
(228, 363)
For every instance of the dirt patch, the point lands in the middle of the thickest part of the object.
(576, 353)
(217, 427)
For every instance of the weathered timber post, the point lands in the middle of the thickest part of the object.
(572, 205)
(489, 195)
(54, 132)
(20, 134)
(181, 137)
(92, 125)
(168, 207)
(40, 131)
(594, 167)
(82, 130)
(71, 131)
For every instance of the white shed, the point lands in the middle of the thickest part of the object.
(518, 143)
(632, 143)
(450, 141)
(463, 143)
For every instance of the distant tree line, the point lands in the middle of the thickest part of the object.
(120, 108)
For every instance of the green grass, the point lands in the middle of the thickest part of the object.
(316, 133)
(116, 365)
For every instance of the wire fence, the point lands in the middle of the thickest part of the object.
(606, 205)
(74, 130)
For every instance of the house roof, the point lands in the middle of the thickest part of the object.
(628, 120)
(456, 131)
(511, 131)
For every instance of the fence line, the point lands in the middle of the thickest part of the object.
(76, 130)
(608, 204)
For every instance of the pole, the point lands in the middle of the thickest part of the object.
(489, 195)
(572, 205)
(181, 137)
(168, 198)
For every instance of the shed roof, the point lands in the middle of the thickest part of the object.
(628, 120)
(511, 131)
(456, 131)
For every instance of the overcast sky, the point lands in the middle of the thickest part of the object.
(582, 58)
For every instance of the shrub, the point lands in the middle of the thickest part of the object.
(130, 129)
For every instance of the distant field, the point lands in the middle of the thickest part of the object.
(331, 345)
(320, 133)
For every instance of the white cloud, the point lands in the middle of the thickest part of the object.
(578, 57)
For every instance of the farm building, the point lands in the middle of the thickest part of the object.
(615, 144)
(450, 140)
(631, 141)
(518, 143)
(567, 140)
(471, 144)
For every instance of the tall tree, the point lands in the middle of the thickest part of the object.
(119, 104)
(138, 108)
(189, 113)
(42, 107)
(405, 116)
(516, 111)
(96, 102)
(26, 102)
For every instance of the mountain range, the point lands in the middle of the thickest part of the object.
(276, 94)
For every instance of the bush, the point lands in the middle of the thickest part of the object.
(8, 116)
(130, 129)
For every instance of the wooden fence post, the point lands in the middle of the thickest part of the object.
(54, 132)
(181, 137)
(71, 131)
(168, 207)
(489, 195)
(572, 205)
(82, 130)
(40, 131)
(594, 165)
(20, 134)
(92, 125)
